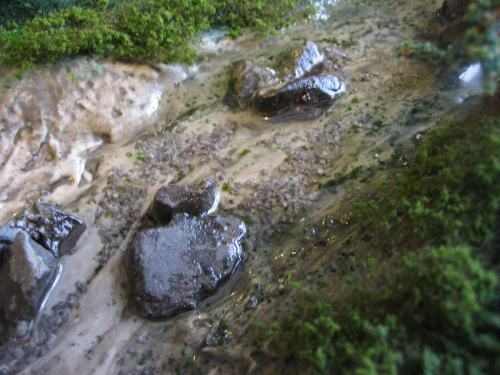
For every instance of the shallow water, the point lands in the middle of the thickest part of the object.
(99, 138)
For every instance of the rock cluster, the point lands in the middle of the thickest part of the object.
(30, 246)
(301, 85)
(184, 252)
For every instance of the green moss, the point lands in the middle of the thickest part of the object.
(432, 316)
(139, 30)
(448, 194)
(432, 306)
(226, 188)
(244, 152)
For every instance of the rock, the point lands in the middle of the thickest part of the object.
(29, 248)
(26, 274)
(176, 266)
(316, 92)
(454, 9)
(301, 61)
(304, 91)
(53, 229)
(174, 199)
(246, 79)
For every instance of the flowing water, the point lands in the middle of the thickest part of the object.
(99, 138)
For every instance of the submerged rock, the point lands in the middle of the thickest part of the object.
(301, 95)
(55, 230)
(186, 254)
(174, 199)
(27, 272)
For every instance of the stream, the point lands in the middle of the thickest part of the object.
(99, 138)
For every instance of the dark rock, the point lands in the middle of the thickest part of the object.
(53, 229)
(454, 9)
(304, 91)
(174, 267)
(246, 79)
(26, 274)
(173, 199)
(219, 334)
(317, 92)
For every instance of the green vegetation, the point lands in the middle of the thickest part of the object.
(136, 30)
(450, 194)
(479, 40)
(431, 307)
(482, 38)
(431, 316)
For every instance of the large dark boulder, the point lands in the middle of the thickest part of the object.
(175, 266)
(183, 252)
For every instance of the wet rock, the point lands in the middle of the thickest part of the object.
(26, 274)
(317, 92)
(174, 267)
(304, 90)
(301, 61)
(53, 229)
(246, 79)
(173, 199)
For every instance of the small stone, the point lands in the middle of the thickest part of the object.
(252, 303)
(173, 199)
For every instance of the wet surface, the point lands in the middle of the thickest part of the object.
(176, 266)
(31, 246)
(111, 157)
(303, 89)
(185, 251)
(55, 230)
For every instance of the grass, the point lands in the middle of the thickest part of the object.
(137, 30)
(429, 303)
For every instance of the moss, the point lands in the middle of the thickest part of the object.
(138, 30)
(432, 306)
(432, 316)
(244, 152)
(448, 194)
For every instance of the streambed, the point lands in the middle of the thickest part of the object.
(100, 138)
